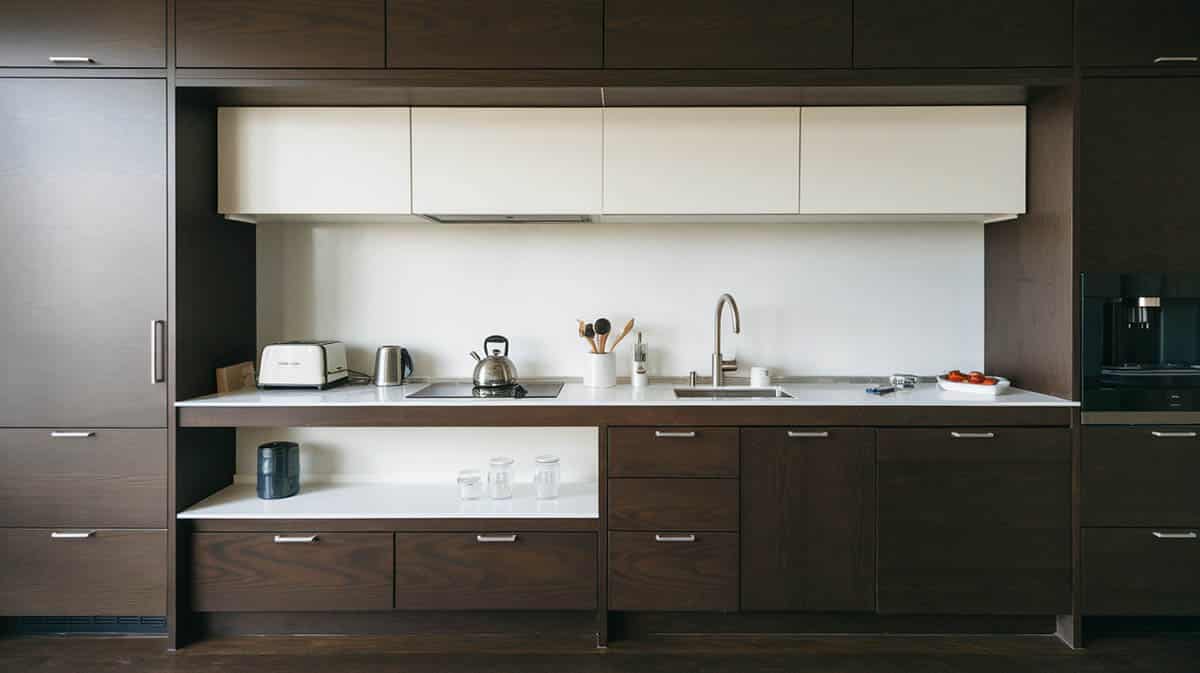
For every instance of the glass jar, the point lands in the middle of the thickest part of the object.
(470, 484)
(546, 477)
(500, 478)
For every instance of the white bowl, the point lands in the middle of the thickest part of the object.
(1002, 384)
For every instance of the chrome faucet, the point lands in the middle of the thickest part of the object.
(719, 364)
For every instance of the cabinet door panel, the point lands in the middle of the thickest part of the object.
(956, 34)
(83, 210)
(111, 33)
(673, 571)
(495, 34)
(808, 512)
(280, 34)
(1140, 476)
(727, 34)
(1138, 177)
(1139, 33)
(1141, 571)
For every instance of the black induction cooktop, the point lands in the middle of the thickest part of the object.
(519, 391)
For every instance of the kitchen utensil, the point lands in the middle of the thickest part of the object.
(603, 328)
(881, 390)
(278, 470)
(624, 333)
(640, 377)
(495, 370)
(904, 381)
(546, 477)
(601, 370)
(1002, 384)
(470, 484)
(500, 478)
(303, 364)
(392, 366)
(589, 333)
(760, 377)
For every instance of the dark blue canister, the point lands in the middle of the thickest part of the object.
(278, 470)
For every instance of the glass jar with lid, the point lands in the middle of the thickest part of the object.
(546, 477)
(500, 478)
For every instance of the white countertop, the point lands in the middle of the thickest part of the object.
(390, 500)
(659, 394)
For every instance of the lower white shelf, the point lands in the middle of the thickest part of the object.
(389, 500)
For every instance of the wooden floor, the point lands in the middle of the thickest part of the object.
(1124, 654)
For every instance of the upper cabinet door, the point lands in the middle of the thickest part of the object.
(84, 33)
(727, 34)
(313, 161)
(495, 34)
(701, 161)
(913, 160)
(83, 252)
(1160, 33)
(957, 34)
(502, 161)
(279, 33)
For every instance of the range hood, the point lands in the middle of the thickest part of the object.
(509, 219)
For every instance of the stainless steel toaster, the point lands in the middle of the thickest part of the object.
(303, 364)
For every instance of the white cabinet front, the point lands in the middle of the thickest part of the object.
(506, 161)
(313, 161)
(912, 160)
(701, 161)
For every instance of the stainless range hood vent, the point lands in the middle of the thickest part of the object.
(510, 219)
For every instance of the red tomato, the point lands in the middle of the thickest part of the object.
(989, 381)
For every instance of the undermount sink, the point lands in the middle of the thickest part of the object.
(730, 393)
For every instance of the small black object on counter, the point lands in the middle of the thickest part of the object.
(278, 470)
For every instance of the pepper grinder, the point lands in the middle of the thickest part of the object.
(640, 378)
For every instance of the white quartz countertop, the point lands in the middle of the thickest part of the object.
(390, 500)
(662, 394)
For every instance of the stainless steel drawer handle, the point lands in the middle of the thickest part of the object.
(1168, 435)
(1177, 59)
(683, 435)
(973, 435)
(1162, 535)
(495, 538)
(72, 535)
(71, 435)
(72, 59)
(808, 435)
(156, 339)
(675, 538)
(295, 539)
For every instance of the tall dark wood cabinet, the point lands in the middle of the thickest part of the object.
(83, 33)
(1139, 182)
(1141, 33)
(808, 519)
(83, 264)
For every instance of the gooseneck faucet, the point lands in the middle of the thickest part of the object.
(719, 364)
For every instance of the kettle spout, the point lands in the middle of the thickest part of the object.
(476, 356)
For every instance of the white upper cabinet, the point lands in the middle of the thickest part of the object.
(912, 160)
(502, 161)
(313, 161)
(701, 161)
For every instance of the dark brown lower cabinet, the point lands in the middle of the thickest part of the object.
(1141, 571)
(808, 519)
(280, 572)
(1140, 476)
(975, 521)
(673, 504)
(83, 572)
(673, 571)
(496, 571)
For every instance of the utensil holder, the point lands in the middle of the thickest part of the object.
(600, 371)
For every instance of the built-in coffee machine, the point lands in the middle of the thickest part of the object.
(1140, 345)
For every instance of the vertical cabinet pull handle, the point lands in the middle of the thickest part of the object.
(295, 539)
(1177, 59)
(72, 535)
(71, 435)
(156, 338)
(973, 435)
(1163, 535)
(495, 538)
(682, 435)
(1170, 435)
(691, 537)
(807, 435)
(72, 59)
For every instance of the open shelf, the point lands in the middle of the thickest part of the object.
(390, 500)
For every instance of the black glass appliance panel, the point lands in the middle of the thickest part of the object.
(446, 390)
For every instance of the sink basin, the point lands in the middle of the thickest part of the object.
(730, 393)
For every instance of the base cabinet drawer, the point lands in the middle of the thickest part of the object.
(1141, 571)
(279, 572)
(496, 571)
(673, 504)
(83, 572)
(1140, 476)
(673, 452)
(100, 478)
(673, 571)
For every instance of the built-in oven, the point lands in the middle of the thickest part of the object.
(1140, 342)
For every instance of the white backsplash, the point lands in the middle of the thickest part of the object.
(816, 299)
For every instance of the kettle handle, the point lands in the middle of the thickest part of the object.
(495, 338)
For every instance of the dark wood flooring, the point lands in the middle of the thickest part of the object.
(691, 654)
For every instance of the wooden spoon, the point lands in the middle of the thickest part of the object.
(603, 328)
(588, 333)
(624, 332)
